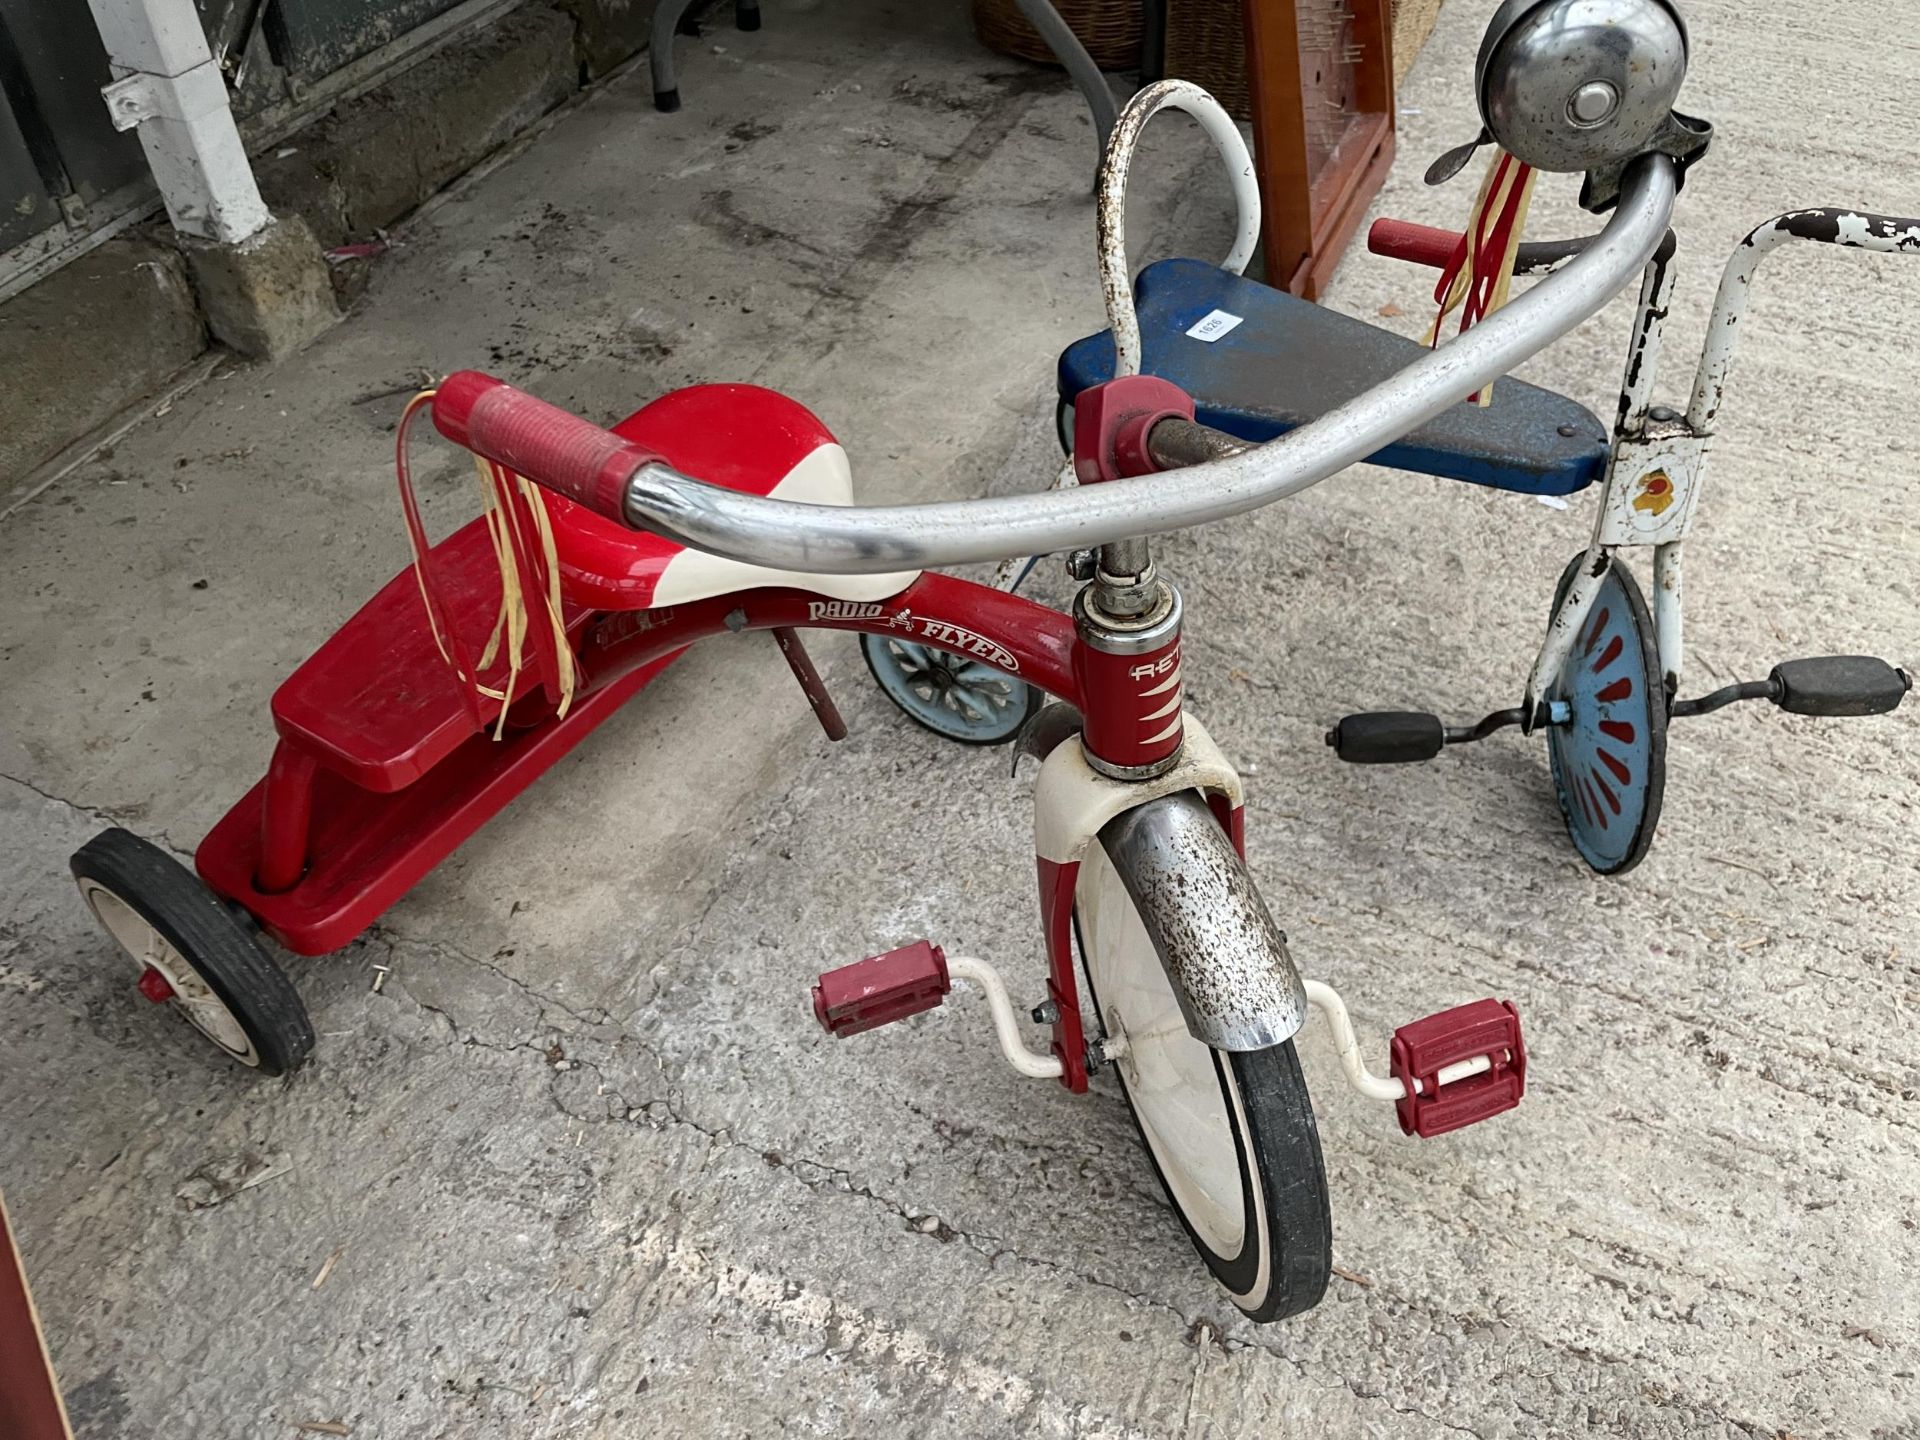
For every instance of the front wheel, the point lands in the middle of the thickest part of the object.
(1231, 1135)
(1609, 759)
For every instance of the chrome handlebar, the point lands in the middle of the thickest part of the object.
(870, 539)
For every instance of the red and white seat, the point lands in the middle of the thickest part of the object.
(743, 437)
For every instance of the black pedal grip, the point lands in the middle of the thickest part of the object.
(1838, 685)
(1388, 737)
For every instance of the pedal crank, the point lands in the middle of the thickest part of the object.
(1827, 685)
(1830, 685)
(1448, 1071)
(912, 980)
(1402, 737)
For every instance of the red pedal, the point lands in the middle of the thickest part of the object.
(884, 988)
(1426, 1047)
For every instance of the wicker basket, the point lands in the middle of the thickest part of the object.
(1110, 29)
(1412, 24)
(1207, 44)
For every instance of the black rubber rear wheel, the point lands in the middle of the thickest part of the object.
(215, 974)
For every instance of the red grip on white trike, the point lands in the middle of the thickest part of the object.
(566, 454)
(1419, 244)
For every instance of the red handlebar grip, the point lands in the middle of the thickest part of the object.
(566, 454)
(1420, 244)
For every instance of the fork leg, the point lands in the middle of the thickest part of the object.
(801, 664)
(1666, 614)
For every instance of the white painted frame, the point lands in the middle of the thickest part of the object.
(1652, 443)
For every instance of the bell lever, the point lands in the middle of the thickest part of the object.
(1455, 160)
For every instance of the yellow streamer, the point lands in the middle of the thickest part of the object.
(498, 488)
(1497, 191)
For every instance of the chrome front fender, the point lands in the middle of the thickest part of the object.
(1224, 956)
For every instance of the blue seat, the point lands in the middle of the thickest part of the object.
(1289, 362)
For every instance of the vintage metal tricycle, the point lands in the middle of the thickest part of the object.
(726, 508)
(1606, 681)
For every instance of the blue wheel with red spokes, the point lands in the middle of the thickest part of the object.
(1609, 757)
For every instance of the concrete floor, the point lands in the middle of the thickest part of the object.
(585, 1168)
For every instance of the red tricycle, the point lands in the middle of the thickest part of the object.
(396, 741)
(603, 554)
(399, 737)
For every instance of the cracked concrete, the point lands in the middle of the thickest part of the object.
(584, 1168)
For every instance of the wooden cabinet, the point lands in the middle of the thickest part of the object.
(1320, 90)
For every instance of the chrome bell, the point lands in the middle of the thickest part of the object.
(1571, 85)
(1585, 86)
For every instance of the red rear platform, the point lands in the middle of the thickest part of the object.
(370, 848)
(401, 763)
(377, 703)
(386, 763)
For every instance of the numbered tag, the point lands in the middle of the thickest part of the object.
(1213, 325)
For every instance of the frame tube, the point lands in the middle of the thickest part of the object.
(1852, 229)
(1030, 641)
